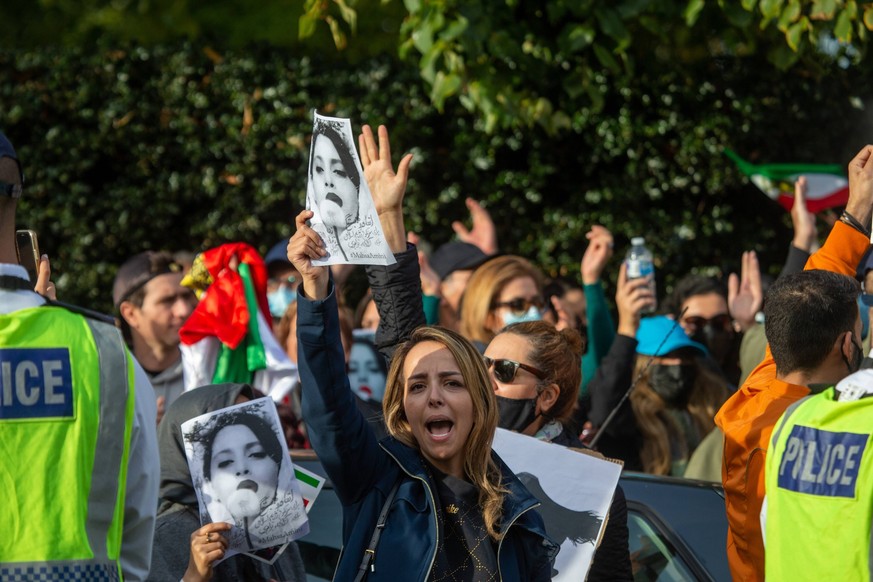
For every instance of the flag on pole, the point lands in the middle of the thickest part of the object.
(826, 184)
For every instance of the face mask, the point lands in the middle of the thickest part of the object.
(532, 314)
(673, 383)
(516, 414)
(280, 299)
(857, 358)
(867, 299)
(717, 341)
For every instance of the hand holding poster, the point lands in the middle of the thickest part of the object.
(575, 491)
(338, 195)
(243, 475)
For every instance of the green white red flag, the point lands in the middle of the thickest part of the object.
(826, 184)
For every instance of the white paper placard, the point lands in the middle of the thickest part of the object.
(575, 491)
(243, 475)
(345, 216)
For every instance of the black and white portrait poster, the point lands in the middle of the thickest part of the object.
(345, 216)
(575, 491)
(244, 476)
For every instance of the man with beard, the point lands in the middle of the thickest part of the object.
(813, 329)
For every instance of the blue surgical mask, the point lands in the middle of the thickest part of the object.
(280, 299)
(532, 314)
(867, 299)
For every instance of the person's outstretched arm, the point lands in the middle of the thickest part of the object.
(339, 433)
(396, 288)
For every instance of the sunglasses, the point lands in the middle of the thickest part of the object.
(505, 370)
(520, 305)
(721, 321)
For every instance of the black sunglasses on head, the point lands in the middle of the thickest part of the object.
(505, 370)
(520, 305)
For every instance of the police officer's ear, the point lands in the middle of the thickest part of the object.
(130, 313)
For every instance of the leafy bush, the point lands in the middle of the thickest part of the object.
(178, 147)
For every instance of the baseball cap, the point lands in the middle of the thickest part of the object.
(278, 253)
(654, 329)
(139, 270)
(456, 256)
(7, 151)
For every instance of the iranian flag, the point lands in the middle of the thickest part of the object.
(826, 184)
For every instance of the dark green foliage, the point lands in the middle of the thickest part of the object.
(177, 147)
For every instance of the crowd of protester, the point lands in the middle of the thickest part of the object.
(694, 388)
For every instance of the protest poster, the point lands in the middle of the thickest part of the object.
(338, 195)
(575, 490)
(243, 475)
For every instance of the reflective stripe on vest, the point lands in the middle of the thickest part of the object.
(56, 368)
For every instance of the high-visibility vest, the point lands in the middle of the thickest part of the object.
(819, 483)
(66, 416)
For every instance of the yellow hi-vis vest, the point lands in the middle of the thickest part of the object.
(66, 415)
(819, 483)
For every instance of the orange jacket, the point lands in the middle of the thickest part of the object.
(748, 417)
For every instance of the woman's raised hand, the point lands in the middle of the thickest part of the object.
(207, 547)
(387, 186)
(304, 247)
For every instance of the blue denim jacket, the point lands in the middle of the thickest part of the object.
(364, 471)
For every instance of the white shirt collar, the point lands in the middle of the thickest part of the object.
(14, 300)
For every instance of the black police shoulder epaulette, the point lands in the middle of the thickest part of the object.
(83, 311)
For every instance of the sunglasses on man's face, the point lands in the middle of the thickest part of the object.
(520, 305)
(505, 370)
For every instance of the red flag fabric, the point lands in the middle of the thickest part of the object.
(222, 313)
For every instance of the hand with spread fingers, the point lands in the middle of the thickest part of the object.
(746, 293)
(483, 234)
(387, 186)
(304, 247)
(207, 547)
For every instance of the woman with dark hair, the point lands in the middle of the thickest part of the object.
(182, 548)
(536, 376)
(335, 181)
(241, 462)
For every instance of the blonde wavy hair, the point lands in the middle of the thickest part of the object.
(484, 288)
(479, 466)
(658, 427)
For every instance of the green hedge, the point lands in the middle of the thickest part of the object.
(177, 147)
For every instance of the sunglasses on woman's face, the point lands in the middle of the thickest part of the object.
(721, 321)
(505, 370)
(520, 305)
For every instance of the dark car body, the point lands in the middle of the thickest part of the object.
(677, 527)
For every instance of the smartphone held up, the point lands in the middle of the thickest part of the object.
(28, 252)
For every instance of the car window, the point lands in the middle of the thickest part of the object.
(653, 556)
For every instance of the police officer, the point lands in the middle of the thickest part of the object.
(819, 502)
(77, 431)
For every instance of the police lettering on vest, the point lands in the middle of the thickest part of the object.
(35, 383)
(821, 462)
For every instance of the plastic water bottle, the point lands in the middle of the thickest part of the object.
(640, 264)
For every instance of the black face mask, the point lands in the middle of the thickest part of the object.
(673, 383)
(717, 340)
(516, 414)
(857, 358)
